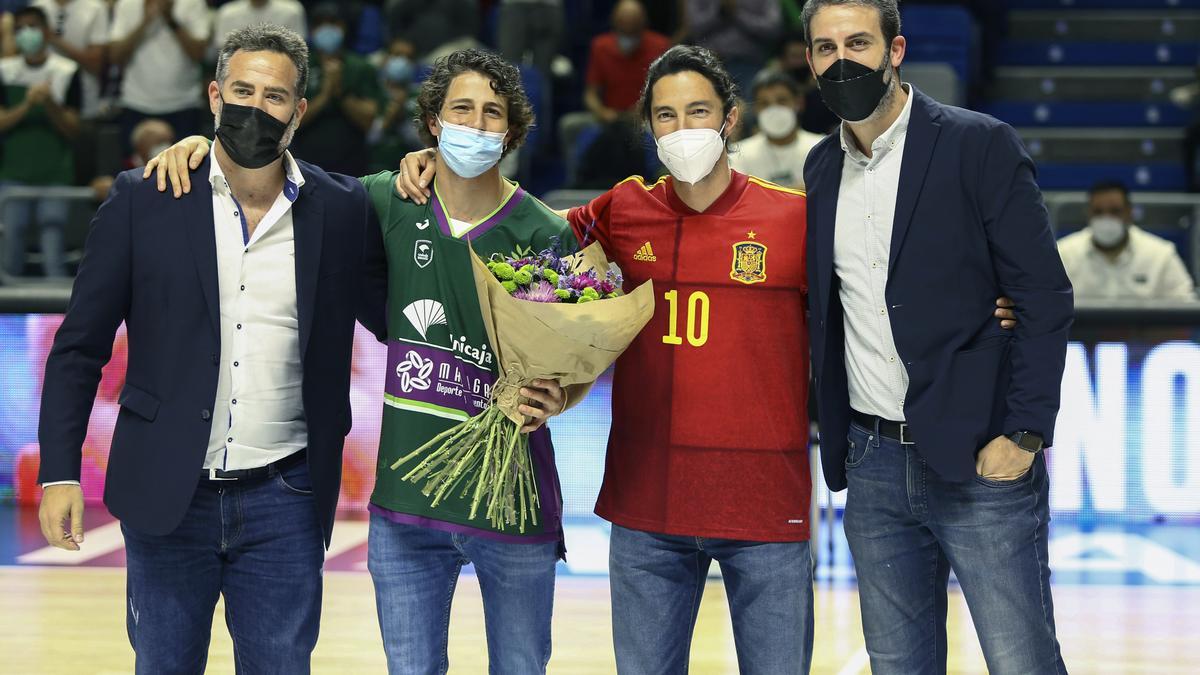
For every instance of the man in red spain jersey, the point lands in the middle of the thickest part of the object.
(708, 453)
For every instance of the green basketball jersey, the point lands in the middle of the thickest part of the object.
(440, 366)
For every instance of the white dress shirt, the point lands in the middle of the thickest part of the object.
(160, 77)
(258, 416)
(1148, 268)
(862, 244)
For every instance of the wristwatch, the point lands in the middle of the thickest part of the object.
(1027, 441)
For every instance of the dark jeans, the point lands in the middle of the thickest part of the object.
(415, 570)
(657, 582)
(907, 528)
(260, 546)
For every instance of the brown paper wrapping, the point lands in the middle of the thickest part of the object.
(571, 343)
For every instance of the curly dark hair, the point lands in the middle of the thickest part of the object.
(506, 82)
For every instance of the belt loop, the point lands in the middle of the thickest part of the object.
(878, 433)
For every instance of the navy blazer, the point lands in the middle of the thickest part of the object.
(151, 261)
(969, 226)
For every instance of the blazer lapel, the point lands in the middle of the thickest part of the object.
(202, 236)
(923, 129)
(308, 218)
(825, 194)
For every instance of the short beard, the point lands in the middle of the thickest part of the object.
(286, 140)
(889, 96)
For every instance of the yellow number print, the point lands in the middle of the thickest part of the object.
(697, 319)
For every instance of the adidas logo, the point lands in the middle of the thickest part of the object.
(645, 253)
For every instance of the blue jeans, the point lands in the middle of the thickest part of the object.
(907, 528)
(657, 582)
(260, 546)
(415, 570)
(50, 215)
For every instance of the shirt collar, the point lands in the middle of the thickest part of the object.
(886, 142)
(293, 178)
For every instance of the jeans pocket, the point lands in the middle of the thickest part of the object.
(857, 450)
(993, 483)
(297, 483)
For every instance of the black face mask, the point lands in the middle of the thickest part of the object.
(851, 90)
(249, 135)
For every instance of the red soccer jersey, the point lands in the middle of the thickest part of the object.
(709, 405)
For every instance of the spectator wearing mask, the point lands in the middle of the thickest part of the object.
(434, 28)
(791, 59)
(777, 152)
(617, 67)
(242, 13)
(1113, 259)
(394, 135)
(79, 31)
(343, 99)
(160, 44)
(39, 117)
(741, 32)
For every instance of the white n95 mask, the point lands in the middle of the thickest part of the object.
(1107, 231)
(690, 154)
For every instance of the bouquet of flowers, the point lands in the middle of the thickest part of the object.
(548, 317)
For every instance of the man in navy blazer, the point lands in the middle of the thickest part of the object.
(933, 417)
(240, 301)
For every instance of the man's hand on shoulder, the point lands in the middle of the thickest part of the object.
(415, 175)
(176, 163)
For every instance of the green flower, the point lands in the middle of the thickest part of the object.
(522, 277)
(590, 293)
(530, 269)
(562, 293)
(510, 286)
(503, 271)
(584, 298)
(612, 295)
(550, 276)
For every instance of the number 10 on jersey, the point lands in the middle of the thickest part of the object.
(697, 319)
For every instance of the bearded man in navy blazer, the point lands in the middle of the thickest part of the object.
(933, 417)
(240, 301)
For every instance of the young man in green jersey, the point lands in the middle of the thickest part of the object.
(441, 367)
(440, 371)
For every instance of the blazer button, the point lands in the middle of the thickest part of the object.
(205, 414)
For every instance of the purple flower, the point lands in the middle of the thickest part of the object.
(539, 292)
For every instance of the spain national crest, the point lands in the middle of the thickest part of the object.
(749, 262)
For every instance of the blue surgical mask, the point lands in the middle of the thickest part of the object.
(30, 40)
(328, 38)
(468, 151)
(628, 43)
(398, 69)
